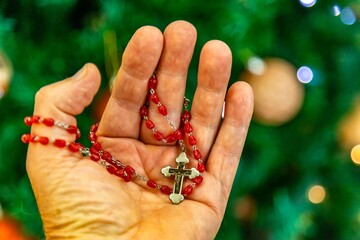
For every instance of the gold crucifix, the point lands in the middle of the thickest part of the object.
(180, 172)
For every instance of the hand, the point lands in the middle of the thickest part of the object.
(79, 199)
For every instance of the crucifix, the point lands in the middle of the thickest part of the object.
(180, 172)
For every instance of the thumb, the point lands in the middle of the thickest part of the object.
(60, 101)
(65, 99)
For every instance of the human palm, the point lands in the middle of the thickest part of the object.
(79, 199)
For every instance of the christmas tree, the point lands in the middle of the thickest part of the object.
(296, 179)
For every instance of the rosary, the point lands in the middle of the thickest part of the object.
(126, 172)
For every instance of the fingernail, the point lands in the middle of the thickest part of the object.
(80, 74)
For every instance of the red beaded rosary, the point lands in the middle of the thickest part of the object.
(126, 172)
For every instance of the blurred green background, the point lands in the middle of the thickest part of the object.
(42, 41)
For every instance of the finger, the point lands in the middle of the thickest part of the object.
(61, 101)
(65, 99)
(121, 117)
(179, 42)
(213, 78)
(225, 154)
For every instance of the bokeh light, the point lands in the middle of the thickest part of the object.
(316, 194)
(305, 74)
(6, 73)
(307, 3)
(336, 10)
(256, 65)
(355, 154)
(245, 209)
(347, 16)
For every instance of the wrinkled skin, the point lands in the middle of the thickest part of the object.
(79, 199)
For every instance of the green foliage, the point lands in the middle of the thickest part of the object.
(48, 40)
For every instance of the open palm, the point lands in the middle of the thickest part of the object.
(79, 199)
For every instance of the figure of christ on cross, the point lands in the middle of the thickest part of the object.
(180, 172)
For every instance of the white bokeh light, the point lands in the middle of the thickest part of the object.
(307, 3)
(256, 65)
(336, 10)
(305, 74)
(347, 16)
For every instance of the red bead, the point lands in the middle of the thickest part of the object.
(78, 134)
(198, 180)
(187, 128)
(152, 83)
(95, 156)
(119, 173)
(36, 119)
(106, 156)
(111, 169)
(165, 189)
(151, 183)
(94, 127)
(129, 171)
(178, 134)
(43, 140)
(144, 111)
(72, 129)
(48, 122)
(127, 177)
(201, 167)
(74, 147)
(171, 138)
(149, 124)
(59, 143)
(182, 123)
(192, 140)
(25, 138)
(93, 149)
(187, 190)
(186, 115)
(154, 98)
(97, 146)
(80, 146)
(32, 138)
(92, 137)
(28, 121)
(197, 154)
(162, 110)
(158, 135)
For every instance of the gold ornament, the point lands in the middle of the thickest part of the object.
(278, 95)
(6, 73)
